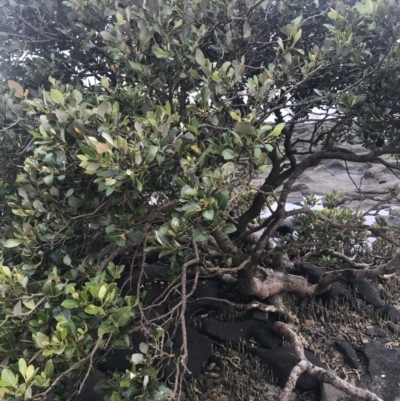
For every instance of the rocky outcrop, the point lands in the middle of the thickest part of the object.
(383, 372)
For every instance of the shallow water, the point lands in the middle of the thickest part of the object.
(292, 206)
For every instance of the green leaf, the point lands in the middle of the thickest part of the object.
(49, 288)
(162, 238)
(158, 52)
(77, 96)
(8, 376)
(30, 371)
(92, 309)
(104, 108)
(19, 90)
(116, 396)
(22, 366)
(208, 214)
(257, 152)
(106, 328)
(243, 128)
(229, 154)
(70, 304)
(277, 130)
(48, 180)
(105, 82)
(200, 234)
(135, 235)
(40, 339)
(190, 210)
(107, 37)
(49, 369)
(297, 37)
(12, 243)
(115, 237)
(228, 168)
(122, 317)
(148, 371)
(150, 153)
(175, 223)
(246, 30)
(229, 229)
(222, 199)
(200, 57)
(57, 96)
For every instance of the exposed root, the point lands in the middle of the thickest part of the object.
(278, 308)
(321, 374)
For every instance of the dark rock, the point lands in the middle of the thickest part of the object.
(349, 354)
(154, 280)
(383, 372)
(394, 328)
(286, 227)
(88, 391)
(337, 291)
(367, 292)
(281, 361)
(120, 359)
(199, 351)
(265, 335)
(260, 315)
(259, 330)
(205, 288)
(330, 393)
(389, 312)
(151, 273)
(308, 270)
(376, 332)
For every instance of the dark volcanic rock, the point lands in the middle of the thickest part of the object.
(330, 393)
(205, 288)
(151, 273)
(389, 312)
(199, 350)
(394, 328)
(120, 359)
(154, 280)
(265, 335)
(383, 372)
(244, 330)
(349, 353)
(368, 292)
(88, 392)
(281, 361)
(337, 291)
(287, 226)
(376, 332)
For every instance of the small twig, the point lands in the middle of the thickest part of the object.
(35, 356)
(25, 314)
(12, 125)
(194, 261)
(345, 258)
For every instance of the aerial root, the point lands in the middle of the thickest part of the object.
(304, 365)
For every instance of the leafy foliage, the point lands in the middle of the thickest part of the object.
(131, 129)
